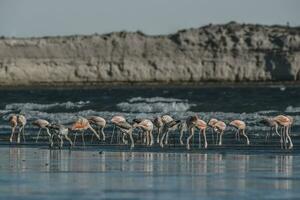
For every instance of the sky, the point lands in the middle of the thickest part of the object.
(27, 18)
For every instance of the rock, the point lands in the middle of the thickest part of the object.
(226, 53)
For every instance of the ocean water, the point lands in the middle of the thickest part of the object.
(235, 171)
(225, 103)
(40, 173)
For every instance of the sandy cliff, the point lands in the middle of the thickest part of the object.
(230, 52)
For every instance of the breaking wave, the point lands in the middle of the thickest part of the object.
(40, 107)
(155, 105)
(292, 109)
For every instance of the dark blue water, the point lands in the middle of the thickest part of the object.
(261, 171)
(225, 103)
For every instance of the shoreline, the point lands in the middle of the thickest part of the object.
(121, 85)
(257, 149)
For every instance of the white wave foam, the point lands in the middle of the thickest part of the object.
(35, 106)
(154, 105)
(292, 109)
(155, 99)
(158, 107)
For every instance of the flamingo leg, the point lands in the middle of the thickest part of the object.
(123, 138)
(162, 139)
(75, 138)
(70, 141)
(49, 135)
(244, 134)
(199, 139)
(95, 132)
(19, 135)
(217, 139)
(82, 138)
(191, 131)
(205, 140)
(276, 129)
(38, 135)
(12, 134)
(158, 135)
(236, 134)
(148, 138)
(112, 136)
(221, 135)
(151, 138)
(51, 143)
(102, 132)
(61, 141)
(23, 133)
(144, 137)
(285, 130)
(167, 137)
(181, 135)
(290, 140)
(131, 139)
(281, 138)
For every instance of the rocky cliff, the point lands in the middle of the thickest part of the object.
(231, 52)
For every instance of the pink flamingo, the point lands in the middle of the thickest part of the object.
(159, 124)
(125, 127)
(169, 124)
(211, 124)
(13, 124)
(100, 123)
(219, 128)
(82, 124)
(285, 122)
(41, 124)
(240, 126)
(147, 127)
(193, 122)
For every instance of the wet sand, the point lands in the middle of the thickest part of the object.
(106, 173)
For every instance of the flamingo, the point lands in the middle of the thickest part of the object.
(125, 128)
(285, 122)
(169, 124)
(193, 122)
(17, 121)
(147, 126)
(118, 119)
(21, 123)
(159, 124)
(41, 124)
(13, 124)
(61, 132)
(240, 126)
(211, 124)
(272, 124)
(172, 125)
(291, 121)
(83, 124)
(100, 123)
(219, 128)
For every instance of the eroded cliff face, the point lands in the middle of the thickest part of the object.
(230, 52)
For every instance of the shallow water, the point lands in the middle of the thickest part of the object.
(33, 173)
(260, 171)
